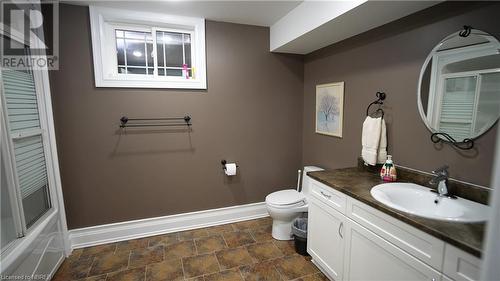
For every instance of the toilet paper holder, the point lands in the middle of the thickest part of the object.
(224, 162)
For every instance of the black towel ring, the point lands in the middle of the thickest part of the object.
(380, 101)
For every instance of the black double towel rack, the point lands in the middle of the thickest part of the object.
(126, 122)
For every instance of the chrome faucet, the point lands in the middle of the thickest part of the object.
(441, 180)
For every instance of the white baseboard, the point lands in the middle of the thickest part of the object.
(109, 233)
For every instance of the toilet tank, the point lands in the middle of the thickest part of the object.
(306, 180)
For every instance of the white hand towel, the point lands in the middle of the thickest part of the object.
(382, 147)
(370, 139)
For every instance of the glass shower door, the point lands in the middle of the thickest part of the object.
(8, 231)
(28, 149)
(22, 119)
(33, 228)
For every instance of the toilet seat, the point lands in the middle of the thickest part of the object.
(290, 207)
(287, 198)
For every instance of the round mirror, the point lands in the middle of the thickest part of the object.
(459, 86)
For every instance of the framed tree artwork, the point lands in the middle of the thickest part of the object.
(330, 109)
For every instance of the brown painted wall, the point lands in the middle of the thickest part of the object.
(389, 58)
(258, 110)
(251, 113)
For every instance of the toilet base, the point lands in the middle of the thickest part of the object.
(282, 230)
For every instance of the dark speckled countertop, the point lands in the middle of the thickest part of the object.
(356, 183)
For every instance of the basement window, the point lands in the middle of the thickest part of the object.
(147, 50)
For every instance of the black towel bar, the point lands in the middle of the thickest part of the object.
(125, 122)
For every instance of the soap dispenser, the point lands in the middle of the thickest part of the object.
(388, 171)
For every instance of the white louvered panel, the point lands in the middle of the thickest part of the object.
(22, 110)
(30, 163)
(457, 107)
(21, 100)
(458, 131)
(18, 79)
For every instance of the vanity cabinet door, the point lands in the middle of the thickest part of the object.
(461, 266)
(370, 257)
(325, 241)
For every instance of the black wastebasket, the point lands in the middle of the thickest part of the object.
(299, 231)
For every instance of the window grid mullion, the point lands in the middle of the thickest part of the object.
(155, 52)
(164, 55)
(146, 51)
(125, 54)
(184, 56)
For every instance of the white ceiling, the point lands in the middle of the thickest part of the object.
(316, 24)
(262, 13)
(296, 26)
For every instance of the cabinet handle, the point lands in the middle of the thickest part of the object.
(341, 227)
(326, 195)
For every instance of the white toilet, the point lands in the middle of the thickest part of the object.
(286, 205)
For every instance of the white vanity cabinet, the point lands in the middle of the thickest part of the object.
(370, 257)
(325, 239)
(349, 240)
(460, 266)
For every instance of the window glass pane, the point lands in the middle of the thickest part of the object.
(120, 49)
(159, 48)
(173, 42)
(187, 49)
(150, 55)
(174, 72)
(7, 227)
(161, 71)
(149, 51)
(36, 205)
(135, 53)
(134, 70)
(488, 105)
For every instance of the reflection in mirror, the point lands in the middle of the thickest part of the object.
(459, 88)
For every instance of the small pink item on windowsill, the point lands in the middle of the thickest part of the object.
(185, 68)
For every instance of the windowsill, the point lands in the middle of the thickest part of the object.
(153, 83)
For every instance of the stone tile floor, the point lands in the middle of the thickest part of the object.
(239, 251)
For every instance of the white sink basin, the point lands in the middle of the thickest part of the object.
(420, 201)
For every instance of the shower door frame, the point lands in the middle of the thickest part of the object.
(18, 251)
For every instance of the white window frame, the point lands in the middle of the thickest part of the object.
(104, 21)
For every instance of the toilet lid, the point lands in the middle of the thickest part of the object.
(285, 197)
